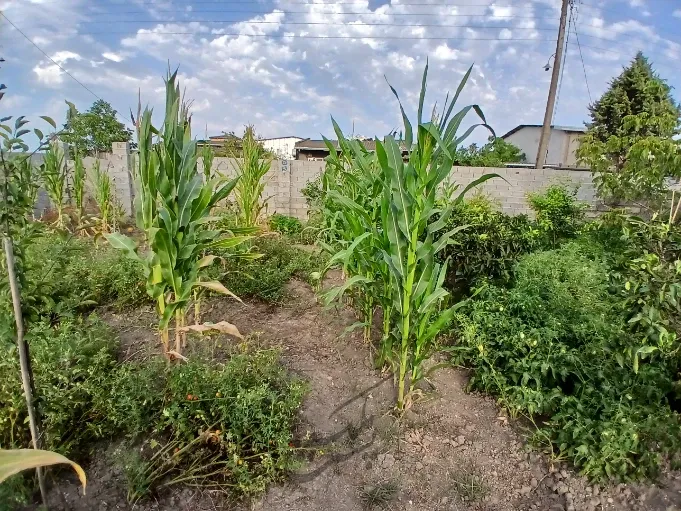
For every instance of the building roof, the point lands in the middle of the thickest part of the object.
(226, 136)
(319, 145)
(574, 129)
(280, 138)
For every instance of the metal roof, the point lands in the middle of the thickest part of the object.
(574, 129)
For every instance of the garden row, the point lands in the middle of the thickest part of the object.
(573, 325)
(217, 420)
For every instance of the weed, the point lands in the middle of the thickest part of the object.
(468, 484)
(378, 494)
(284, 224)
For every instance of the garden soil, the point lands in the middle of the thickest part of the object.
(453, 450)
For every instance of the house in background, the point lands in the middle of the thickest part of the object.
(281, 147)
(563, 143)
(316, 150)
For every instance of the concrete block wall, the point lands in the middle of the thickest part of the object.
(286, 179)
(511, 191)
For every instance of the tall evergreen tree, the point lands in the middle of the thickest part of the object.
(631, 123)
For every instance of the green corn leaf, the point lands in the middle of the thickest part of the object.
(337, 292)
(445, 238)
(475, 183)
(121, 242)
(227, 242)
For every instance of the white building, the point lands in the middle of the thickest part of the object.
(563, 143)
(282, 147)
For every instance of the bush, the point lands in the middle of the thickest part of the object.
(284, 224)
(71, 364)
(559, 214)
(67, 275)
(551, 347)
(228, 425)
(489, 247)
(266, 277)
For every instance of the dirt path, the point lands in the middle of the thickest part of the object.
(452, 451)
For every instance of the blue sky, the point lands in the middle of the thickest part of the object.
(288, 65)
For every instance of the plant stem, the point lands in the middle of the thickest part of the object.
(24, 361)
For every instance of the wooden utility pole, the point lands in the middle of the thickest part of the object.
(555, 75)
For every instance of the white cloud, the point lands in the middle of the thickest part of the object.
(62, 56)
(501, 11)
(444, 52)
(115, 57)
(49, 75)
(677, 13)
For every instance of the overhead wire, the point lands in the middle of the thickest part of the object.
(55, 62)
(581, 56)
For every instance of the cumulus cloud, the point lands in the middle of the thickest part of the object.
(115, 57)
(289, 72)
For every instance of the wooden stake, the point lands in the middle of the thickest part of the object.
(24, 361)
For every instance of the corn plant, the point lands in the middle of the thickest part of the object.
(55, 179)
(78, 184)
(207, 156)
(173, 204)
(251, 171)
(401, 222)
(353, 173)
(103, 194)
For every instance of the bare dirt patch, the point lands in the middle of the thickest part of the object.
(452, 451)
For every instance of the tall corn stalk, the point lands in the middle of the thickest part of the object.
(55, 178)
(403, 220)
(207, 156)
(173, 204)
(102, 192)
(251, 171)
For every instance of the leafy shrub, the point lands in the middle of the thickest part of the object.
(550, 347)
(66, 275)
(313, 193)
(266, 277)
(489, 247)
(284, 224)
(226, 424)
(71, 364)
(559, 214)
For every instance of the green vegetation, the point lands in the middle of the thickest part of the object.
(253, 166)
(94, 131)
(489, 246)
(265, 277)
(381, 214)
(285, 224)
(495, 153)
(629, 144)
(173, 203)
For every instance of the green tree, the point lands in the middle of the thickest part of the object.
(629, 143)
(495, 153)
(94, 131)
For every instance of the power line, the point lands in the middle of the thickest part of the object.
(331, 23)
(354, 13)
(54, 62)
(581, 57)
(293, 36)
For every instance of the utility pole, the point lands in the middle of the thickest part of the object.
(555, 75)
